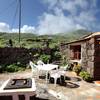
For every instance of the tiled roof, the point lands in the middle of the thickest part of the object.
(91, 35)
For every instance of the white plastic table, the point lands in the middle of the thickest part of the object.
(47, 68)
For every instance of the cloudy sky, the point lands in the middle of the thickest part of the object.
(50, 16)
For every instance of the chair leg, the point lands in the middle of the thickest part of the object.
(38, 74)
(60, 80)
(55, 81)
(32, 74)
(64, 77)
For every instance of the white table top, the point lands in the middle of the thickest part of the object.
(47, 67)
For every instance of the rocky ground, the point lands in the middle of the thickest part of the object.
(72, 89)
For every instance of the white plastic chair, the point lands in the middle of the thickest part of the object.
(64, 67)
(63, 73)
(55, 75)
(40, 62)
(34, 68)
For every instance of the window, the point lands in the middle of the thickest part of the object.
(75, 52)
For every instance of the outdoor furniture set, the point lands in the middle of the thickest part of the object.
(50, 69)
(25, 88)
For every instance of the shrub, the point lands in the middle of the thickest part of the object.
(77, 68)
(85, 76)
(57, 54)
(13, 68)
(1, 69)
(64, 60)
(19, 64)
(45, 58)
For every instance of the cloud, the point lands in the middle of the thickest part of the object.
(62, 16)
(67, 15)
(25, 29)
(28, 29)
(52, 24)
(4, 27)
(69, 5)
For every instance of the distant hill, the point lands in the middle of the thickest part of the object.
(75, 34)
(55, 39)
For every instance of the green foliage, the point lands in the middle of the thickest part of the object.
(45, 58)
(64, 60)
(57, 55)
(5, 37)
(29, 40)
(85, 76)
(14, 68)
(14, 55)
(1, 69)
(77, 68)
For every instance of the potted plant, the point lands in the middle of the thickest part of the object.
(77, 69)
(85, 76)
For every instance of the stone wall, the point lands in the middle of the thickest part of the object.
(65, 52)
(10, 55)
(88, 51)
(90, 55)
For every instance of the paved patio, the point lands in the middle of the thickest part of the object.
(73, 89)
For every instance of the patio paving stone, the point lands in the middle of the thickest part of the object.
(83, 91)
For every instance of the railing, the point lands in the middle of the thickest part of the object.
(76, 55)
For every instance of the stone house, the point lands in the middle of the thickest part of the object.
(85, 51)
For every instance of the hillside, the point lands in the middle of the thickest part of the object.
(74, 34)
(32, 40)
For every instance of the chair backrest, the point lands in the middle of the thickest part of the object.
(40, 62)
(33, 66)
(53, 71)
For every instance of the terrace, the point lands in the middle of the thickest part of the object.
(74, 87)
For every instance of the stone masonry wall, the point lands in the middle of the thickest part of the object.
(88, 51)
(90, 55)
(65, 52)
